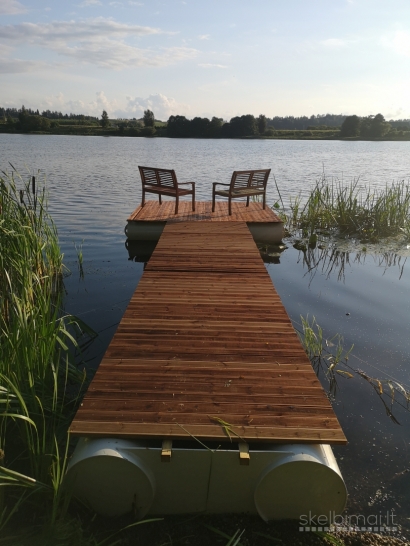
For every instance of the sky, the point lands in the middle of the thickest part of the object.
(207, 58)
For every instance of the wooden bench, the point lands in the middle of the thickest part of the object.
(164, 182)
(243, 184)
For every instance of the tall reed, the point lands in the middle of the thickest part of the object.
(39, 379)
(351, 210)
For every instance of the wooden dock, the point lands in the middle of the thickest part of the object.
(154, 212)
(147, 223)
(205, 341)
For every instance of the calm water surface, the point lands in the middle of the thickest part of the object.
(94, 184)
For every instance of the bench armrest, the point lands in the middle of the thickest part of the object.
(182, 183)
(219, 184)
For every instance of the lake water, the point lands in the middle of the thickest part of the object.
(94, 184)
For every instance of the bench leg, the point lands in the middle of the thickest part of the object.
(193, 199)
(160, 199)
(143, 198)
(176, 204)
(213, 201)
(247, 201)
(264, 201)
(229, 206)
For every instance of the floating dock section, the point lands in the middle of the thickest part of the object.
(205, 400)
(147, 223)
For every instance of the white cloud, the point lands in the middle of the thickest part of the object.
(18, 66)
(204, 36)
(399, 42)
(100, 41)
(211, 65)
(87, 3)
(117, 55)
(116, 4)
(131, 3)
(11, 7)
(65, 31)
(102, 103)
(94, 107)
(334, 43)
(162, 106)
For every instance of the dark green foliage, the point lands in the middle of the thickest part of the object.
(350, 127)
(179, 126)
(105, 122)
(320, 128)
(301, 123)
(200, 127)
(10, 122)
(242, 126)
(261, 123)
(148, 131)
(149, 118)
(214, 127)
(29, 122)
(374, 127)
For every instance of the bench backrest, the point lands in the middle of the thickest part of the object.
(165, 178)
(250, 179)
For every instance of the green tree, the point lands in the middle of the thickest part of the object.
(261, 123)
(149, 118)
(105, 122)
(350, 127)
(214, 127)
(242, 126)
(374, 127)
(179, 127)
(23, 117)
(200, 127)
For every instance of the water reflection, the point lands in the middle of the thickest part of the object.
(140, 251)
(329, 259)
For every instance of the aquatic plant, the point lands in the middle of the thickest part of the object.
(329, 357)
(40, 381)
(352, 210)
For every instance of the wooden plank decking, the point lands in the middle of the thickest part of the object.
(206, 337)
(154, 212)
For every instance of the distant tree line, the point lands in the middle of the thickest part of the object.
(14, 113)
(371, 126)
(28, 120)
(239, 126)
(302, 123)
(246, 126)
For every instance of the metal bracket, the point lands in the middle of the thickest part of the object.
(166, 451)
(244, 457)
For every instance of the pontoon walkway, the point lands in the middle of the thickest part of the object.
(205, 341)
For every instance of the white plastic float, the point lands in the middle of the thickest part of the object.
(262, 232)
(115, 476)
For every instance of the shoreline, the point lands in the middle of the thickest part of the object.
(294, 135)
